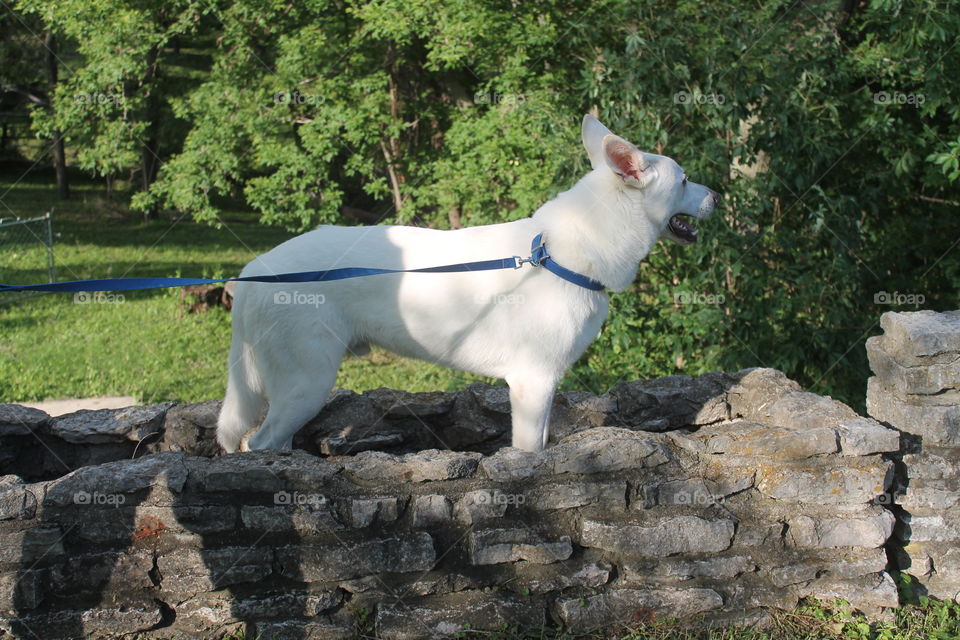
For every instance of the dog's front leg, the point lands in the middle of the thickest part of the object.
(531, 397)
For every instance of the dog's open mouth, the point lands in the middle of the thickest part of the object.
(681, 230)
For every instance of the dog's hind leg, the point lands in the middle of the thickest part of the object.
(531, 397)
(299, 393)
(244, 400)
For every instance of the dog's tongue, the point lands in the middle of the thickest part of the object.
(682, 230)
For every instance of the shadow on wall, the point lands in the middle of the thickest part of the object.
(708, 498)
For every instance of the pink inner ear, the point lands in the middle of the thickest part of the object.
(625, 159)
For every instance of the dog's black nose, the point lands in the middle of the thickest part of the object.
(716, 198)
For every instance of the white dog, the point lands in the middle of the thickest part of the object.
(525, 325)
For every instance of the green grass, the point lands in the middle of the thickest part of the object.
(142, 343)
(924, 620)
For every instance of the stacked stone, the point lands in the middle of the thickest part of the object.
(766, 495)
(916, 389)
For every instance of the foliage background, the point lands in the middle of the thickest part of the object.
(832, 129)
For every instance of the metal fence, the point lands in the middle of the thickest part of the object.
(26, 254)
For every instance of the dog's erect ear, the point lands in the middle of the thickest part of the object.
(593, 134)
(625, 160)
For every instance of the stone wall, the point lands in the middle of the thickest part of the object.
(916, 389)
(709, 499)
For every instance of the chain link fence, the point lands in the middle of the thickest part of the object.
(26, 254)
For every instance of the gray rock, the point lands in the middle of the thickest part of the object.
(921, 337)
(494, 399)
(513, 464)
(755, 391)
(287, 605)
(929, 465)
(110, 425)
(495, 546)
(105, 622)
(804, 410)
(363, 512)
(609, 496)
(606, 449)
(547, 578)
(749, 438)
(679, 569)
(679, 493)
(935, 528)
(927, 497)
(424, 466)
(856, 563)
(671, 402)
(17, 420)
(756, 535)
(863, 436)
(19, 501)
(108, 483)
(343, 445)
(192, 428)
(307, 519)
(347, 560)
(22, 591)
(102, 572)
(938, 425)
(602, 611)
(197, 570)
(859, 481)
(273, 472)
(431, 510)
(444, 616)
(680, 534)
(405, 404)
(913, 380)
(305, 629)
(866, 594)
(868, 531)
(477, 506)
(190, 518)
(794, 574)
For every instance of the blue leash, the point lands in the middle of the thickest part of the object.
(538, 257)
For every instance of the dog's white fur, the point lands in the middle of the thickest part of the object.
(526, 326)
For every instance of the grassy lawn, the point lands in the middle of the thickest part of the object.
(141, 343)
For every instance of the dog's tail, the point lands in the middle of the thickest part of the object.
(244, 401)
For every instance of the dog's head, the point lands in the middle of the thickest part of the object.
(655, 184)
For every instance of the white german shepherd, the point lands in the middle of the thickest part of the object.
(526, 326)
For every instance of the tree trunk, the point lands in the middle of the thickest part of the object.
(454, 216)
(149, 152)
(57, 148)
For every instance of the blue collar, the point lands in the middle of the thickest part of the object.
(540, 258)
